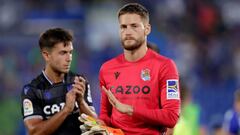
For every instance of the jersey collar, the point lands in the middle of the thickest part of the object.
(44, 74)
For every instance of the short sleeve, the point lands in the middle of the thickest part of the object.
(30, 104)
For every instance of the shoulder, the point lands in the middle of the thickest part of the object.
(112, 62)
(73, 74)
(158, 58)
(231, 121)
(157, 55)
(36, 83)
(70, 76)
(229, 114)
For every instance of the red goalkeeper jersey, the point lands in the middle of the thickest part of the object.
(150, 85)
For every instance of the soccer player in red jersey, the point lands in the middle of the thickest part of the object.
(140, 88)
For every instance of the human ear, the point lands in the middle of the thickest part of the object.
(147, 29)
(45, 54)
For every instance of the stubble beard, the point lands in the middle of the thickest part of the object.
(134, 46)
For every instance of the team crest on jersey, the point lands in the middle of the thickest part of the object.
(145, 75)
(27, 107)
(172, 89)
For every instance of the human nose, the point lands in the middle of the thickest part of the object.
(69, 57)
(128, 30)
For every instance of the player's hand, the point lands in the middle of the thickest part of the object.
(123, 108)
(169, 131)
(101, 122)
(80, 86)
(70, 100)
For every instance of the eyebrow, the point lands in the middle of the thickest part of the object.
(129, 24)
(66, 50)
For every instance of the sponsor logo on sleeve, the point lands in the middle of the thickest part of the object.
(27, 107)
(172, 89)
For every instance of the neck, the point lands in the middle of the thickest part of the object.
(53, 76)
(135, 55)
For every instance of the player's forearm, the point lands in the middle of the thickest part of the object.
(105, 112)
(84, 108)
(162, 117)
(49, 126)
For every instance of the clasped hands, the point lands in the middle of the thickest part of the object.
(79, 87)
(76, 93)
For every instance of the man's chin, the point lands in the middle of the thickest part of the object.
(129, 42)
(65, 70)
(131, 47)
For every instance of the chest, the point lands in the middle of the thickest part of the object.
(53, 99)
(133, 80)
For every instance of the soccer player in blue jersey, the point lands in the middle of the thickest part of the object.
(232, 117)
(52, 102)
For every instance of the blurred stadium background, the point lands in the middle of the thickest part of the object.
(202, 36)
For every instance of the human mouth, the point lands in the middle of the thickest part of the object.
(129, 38)
(67, 66)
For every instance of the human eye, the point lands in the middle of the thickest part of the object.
(134, 26)
(62, 52)
(123, 26)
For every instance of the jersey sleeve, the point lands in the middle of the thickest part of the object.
(88, 96)
(168, 113)
(231, 122)
(106, 107)
(30, 104)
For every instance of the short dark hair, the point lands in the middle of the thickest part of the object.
(134, 8)
(53, 36)
(153, 46)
